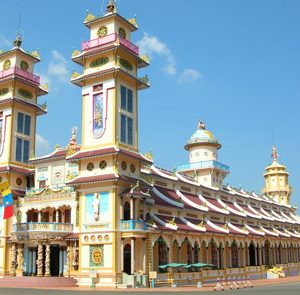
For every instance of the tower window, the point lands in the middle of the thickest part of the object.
(23, 124)
(126, 130)
(126, 99)
(22, 150)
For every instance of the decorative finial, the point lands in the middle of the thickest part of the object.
(201, 125)
(18, 40)
(111, 6)
(73, 142)
(274, 154)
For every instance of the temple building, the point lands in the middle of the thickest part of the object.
(102, 209)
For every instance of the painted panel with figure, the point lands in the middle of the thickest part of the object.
(58, 175)
(99, 115)
(96, 256)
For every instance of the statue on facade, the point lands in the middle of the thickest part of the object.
(96, 206)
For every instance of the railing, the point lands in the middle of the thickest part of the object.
(204, 164)
(133, 225)
(19, 72)
(86, 45)
(55, 188)
(43, 226)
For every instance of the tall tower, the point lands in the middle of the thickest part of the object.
(109, 161)
(203, 155)
(276, 181)
(19, 108)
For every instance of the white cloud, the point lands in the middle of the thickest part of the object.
(189, 75)
(58, 68)
(42, 145)
(152, 45)
(4, 42)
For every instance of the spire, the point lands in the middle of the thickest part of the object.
(274, 154)
(111, 6)
(201, 125)
(18, 40)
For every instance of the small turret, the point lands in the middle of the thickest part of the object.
(203, 155)
(276, 181)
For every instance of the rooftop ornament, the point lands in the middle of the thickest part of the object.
(133, 21)
(274, 154)
(18, 41)
(201, 125)
(75, 52)
(73, 142)
(35, 53)
(90, 17)
(111, 6)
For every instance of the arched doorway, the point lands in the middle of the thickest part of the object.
(252, 254)
(234, 255)
(126, 211)
(127, 259)
(214, 253)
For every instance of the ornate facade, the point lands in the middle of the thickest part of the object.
(101, 208)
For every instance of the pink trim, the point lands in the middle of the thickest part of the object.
(19, 72)
(86, 45)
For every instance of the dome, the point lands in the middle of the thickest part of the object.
(202, 137)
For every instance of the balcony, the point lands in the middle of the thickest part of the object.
(42, 227)
(21, 73)
(204, 165)
(133, 225)
(106, 40)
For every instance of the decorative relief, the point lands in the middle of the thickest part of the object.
(126, 64)
(25, 93)
(96, 256)
(24, 65)
(103, 164)
(4, 91)
(102, 31)
(6, 64)
(122, 33)
(99, 62)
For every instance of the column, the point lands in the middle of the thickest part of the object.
(121, 210)
(122, 255)
(61, 257)
(57, 215)
(68, 260)
(206, 255)
(47, 261)
(218, 258)
(63, 218)
(259, 255)
(39, 216)
(29, 269)
(144, 210)
(131, 208)
(40, 262)
(224, 257)
(13, 257)
(230, 257)
(132, 255)
(20, 259)
(144, 255)
(263, 262)
(34, 262)
(244, 256)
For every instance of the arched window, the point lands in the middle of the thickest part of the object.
(234, 255)
(252, 254)
(196, 253)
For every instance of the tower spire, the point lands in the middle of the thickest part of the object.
(18, 40)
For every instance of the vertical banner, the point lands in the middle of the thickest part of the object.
(99, 115)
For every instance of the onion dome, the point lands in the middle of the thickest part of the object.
(202, 137)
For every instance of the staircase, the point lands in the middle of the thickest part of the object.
(37, 282)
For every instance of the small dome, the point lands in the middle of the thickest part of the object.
(202, 136)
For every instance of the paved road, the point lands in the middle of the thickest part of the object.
(286, 289)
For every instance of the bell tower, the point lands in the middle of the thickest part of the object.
(19, 108)
(276, 181)
(109, 81)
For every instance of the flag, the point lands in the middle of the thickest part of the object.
(7, 203)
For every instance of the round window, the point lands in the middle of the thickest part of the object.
(132, 168)
(124, 165)
(19, 181)
(102, 31)
(24, 65)
(103, 164)
(90, 166)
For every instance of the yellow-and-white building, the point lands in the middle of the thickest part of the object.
(102, 209)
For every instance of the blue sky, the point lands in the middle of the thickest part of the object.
(234, 64)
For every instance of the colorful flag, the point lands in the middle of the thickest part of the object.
(7, 203)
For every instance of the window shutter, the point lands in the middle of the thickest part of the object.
(27, 125)
(20, 123)
(19, 150)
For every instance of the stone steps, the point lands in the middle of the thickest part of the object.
(36, 282)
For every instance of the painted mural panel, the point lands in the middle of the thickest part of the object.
(72, 171)
(99, 115)
(58, 175)
(89, 210)
(96, 256)
(104, 207)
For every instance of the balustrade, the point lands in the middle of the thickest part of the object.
(21, 73)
